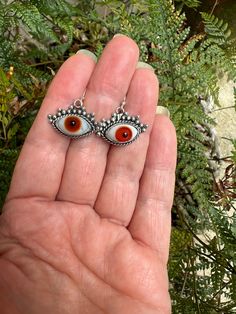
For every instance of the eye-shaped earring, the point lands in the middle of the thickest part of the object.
(74, 122)
(122, 129)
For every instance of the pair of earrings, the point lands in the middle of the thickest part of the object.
(121, 129)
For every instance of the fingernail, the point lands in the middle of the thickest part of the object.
(144, 65)
(117, 35)
(87, 53)
(163, 111)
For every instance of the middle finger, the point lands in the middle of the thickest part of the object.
(86, 158)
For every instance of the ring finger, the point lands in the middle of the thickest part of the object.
(125, 164)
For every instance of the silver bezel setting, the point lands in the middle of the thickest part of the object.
(116, 119)
(78, 111)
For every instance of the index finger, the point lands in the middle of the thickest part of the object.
(40, 165)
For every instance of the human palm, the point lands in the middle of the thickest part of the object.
(86, 226)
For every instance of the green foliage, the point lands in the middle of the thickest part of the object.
(31, 30)
(17, 111)
(217, 29)
(189, 3)
(7, 163)
(37, 34)
(6, 96)
(234, 151)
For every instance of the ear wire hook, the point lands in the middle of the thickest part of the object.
(121, 108)
(78, 103)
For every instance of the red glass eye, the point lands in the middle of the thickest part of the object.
(72, 123)
(123, 134)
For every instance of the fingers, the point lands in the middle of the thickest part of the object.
(151, 222)
(86, 158)
(125, 164)
(39, 168)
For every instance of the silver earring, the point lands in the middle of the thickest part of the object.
(74, 122)
(121, 129)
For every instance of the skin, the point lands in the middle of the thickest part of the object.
(86, 226)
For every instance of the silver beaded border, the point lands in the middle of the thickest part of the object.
(120, 118)
(73, 110)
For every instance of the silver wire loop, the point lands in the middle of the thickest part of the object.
(78, 103)
(121, 109)
(120, 130)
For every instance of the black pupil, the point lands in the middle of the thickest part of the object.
(73, 123)
(125, 134)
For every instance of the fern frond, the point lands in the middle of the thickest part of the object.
(55, 8)
(190, 3)
(30, 16)
(217, 30)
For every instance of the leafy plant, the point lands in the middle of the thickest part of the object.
(32, 31)
(189, 3)
(38, 34)
(17, 111)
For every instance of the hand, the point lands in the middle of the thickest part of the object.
(86, 226)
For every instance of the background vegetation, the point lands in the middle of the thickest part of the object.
(36, 36)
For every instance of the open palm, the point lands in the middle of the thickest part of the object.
(86, 226)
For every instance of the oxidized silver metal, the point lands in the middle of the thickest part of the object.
(77, 109)
(122, 119)
(121, 129)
